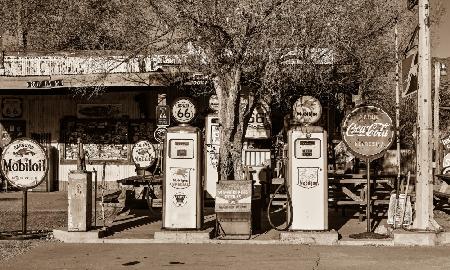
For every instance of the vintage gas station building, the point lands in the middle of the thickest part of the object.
(108, 101)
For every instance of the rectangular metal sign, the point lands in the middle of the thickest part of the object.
(162, 115)
(234, 196)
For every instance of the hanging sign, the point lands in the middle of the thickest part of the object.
(307, 110)
(162, 115)
(214, 103)
(183, 110)
(24, 163)
(143, 154)
(259, 124)
(368, 131)
(12, 107)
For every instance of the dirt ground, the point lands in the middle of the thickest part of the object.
(47, 211)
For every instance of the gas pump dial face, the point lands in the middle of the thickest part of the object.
(183, 110)
(307, 110)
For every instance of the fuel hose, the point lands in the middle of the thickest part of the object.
(288, 206)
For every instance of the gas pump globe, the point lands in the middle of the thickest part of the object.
(307, 167)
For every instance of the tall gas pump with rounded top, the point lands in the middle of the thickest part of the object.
(182, 188)
(307, 168)
(211, 150)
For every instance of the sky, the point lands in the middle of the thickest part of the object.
(440, 39)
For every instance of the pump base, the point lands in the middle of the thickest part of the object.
(310, 237)
(187, 236)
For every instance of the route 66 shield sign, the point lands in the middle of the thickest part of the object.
(12, 107)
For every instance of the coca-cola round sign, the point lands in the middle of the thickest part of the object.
(368, 131)
(24, 163)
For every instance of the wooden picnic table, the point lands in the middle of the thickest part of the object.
(153, 183)
(444, 177)
(441, 195)
(351, 189)
(141, 180)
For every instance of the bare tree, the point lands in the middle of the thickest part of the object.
(55, 25)
(274, 50)
(278, 49)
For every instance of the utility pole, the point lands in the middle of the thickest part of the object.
(424, 182)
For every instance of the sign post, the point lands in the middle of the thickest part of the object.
(368, 132)
(24, 165)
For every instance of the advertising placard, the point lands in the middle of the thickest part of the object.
(259, 124)
(368, 131)
(162, 115)
(160, 134)
(307, 110)
(24, 163)
(214, 103)
(143, 154)
(234, 196)
(183, 110)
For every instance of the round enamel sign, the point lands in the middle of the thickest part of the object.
(368, 131)
(183, 110)
(143, 154)
(160, 133)
(307, 110)
(24, 163)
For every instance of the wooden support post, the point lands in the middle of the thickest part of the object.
(424, 183)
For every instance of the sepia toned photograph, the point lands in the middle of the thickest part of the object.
(234, 134)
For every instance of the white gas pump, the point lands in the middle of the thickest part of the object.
(307, 168)
(182, 189)
(211, 150)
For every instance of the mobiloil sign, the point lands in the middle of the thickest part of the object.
(24, 163)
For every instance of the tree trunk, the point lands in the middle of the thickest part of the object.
(228, 91)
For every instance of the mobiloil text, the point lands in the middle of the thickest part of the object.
(26, 166)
